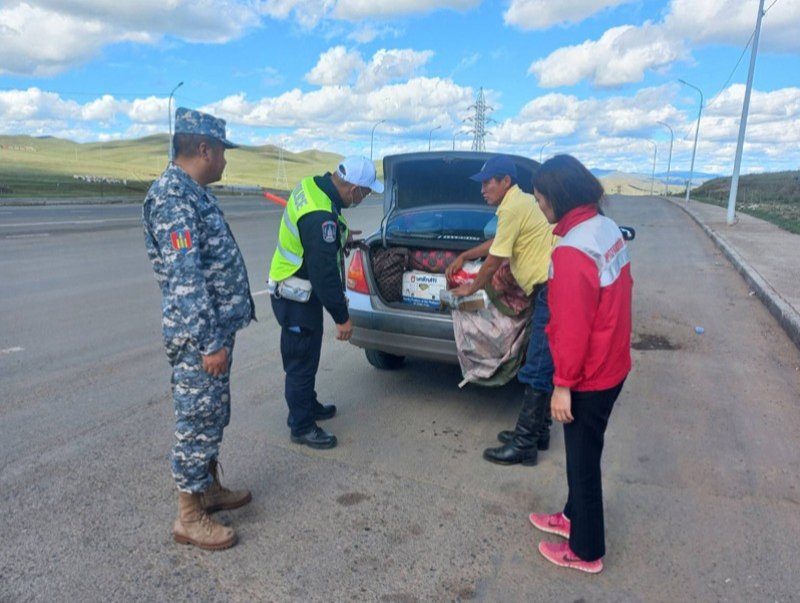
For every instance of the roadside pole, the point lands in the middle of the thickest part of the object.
(737, 164)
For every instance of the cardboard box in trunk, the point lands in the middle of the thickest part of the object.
(423, 288)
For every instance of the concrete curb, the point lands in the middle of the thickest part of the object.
(786, 315)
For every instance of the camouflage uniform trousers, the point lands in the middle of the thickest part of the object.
(202, 411)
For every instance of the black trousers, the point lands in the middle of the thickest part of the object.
(583, 440)
(300, 350)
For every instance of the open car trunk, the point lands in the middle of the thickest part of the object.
(432, 212)
(409, 277)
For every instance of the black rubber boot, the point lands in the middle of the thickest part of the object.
(543, 443)
(544, 432)
(523, 446)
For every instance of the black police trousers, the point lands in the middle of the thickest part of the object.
(300, 350)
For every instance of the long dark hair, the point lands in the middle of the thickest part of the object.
(567, 183)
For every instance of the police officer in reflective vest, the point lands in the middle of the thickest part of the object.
(307, 275)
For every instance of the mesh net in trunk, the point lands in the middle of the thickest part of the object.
(388, 265)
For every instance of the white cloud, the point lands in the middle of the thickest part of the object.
(355, 10)
(366, 33)
(40, 42)
(335, 67)
(151, 110)
(102, 110)
(34, 104)
(773, 118)
(392, 65)
(605, 132)
(612, 132)
(571, 120)
(35, 112)
(624, 54)
(414, 105)
(620, 56)
(732, 22)
(308, 13)
(196, 20)
(543, 14)
(44, 37)
(466, 62)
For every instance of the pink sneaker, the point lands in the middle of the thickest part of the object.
(552, 524)
(560, 554)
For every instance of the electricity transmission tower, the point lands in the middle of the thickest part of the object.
(479, 121)
(281, 181)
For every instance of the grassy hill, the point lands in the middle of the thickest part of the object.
(774, 197)
(37, 167)
(52, 167)
(618, 183)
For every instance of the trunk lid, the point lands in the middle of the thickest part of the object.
(419, 181)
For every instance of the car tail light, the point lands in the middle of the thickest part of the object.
(356, 281)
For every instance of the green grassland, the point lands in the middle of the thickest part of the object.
(774, 197)
(46, 167)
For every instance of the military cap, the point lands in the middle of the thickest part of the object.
(189, 121)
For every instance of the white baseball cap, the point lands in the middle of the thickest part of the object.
(360, 171)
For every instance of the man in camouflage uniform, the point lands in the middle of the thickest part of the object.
(206, 299)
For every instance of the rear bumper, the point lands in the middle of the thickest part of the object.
(438, 350)
(426, 335)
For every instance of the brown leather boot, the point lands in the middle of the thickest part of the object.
(194, 526)
(219, 498)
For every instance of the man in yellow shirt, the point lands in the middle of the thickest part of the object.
(525, 238)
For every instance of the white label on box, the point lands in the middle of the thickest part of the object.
(423, 288)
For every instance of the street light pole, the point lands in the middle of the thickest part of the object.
(653, 177)
(169, 111)
(696, 132)
(429, 137)
(541, 151)
(372, 137)
(669, 161)
(454, 137)
(737, 164)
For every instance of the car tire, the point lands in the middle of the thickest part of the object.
(384, 361)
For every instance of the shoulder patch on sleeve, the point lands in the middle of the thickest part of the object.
(329, 231)
(181, 240)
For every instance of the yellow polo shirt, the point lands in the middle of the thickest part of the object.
(524, 237)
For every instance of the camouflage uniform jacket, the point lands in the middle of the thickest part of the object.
(197, 263)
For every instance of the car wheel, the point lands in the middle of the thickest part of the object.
(382, 360)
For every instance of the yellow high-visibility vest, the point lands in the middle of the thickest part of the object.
(307, 197)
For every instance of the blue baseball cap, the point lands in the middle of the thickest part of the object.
(189, 121)
(496, 167)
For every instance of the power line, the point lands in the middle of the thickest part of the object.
(735, 67)
(741, 56)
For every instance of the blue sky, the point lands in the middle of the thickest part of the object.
(587, 77)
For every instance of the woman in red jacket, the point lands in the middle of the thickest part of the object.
(589, 334)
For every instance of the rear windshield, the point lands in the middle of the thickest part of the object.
(441, 224)
(444, 181)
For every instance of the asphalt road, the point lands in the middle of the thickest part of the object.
(701, 470)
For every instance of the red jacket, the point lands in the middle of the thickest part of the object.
(589, 296)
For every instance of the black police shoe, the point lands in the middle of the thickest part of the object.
(316, 438)
(322, 412)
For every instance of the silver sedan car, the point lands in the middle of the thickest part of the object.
(431, 212)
